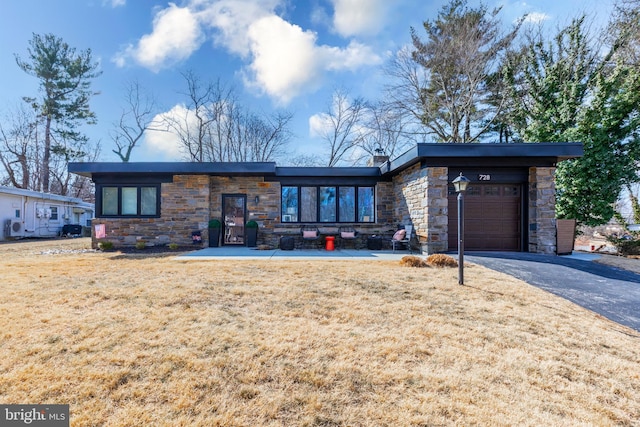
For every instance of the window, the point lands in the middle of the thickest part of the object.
(309, 206)
(328, 204)
(365, 204)
(289, 204)
(148, 200)
(109, 201)
(129, 200)
(53, 216)
(347, 204)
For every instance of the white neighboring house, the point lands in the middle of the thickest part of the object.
(26, 213)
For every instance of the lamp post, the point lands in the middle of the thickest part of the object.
(460, 184)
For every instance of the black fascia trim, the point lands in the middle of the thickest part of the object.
(174, 168)
(131, 178)
(314, 176)
(328, 172)
(485, 154)
(315, 181)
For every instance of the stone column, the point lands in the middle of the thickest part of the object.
(436, 205)
(421, 200)
(542, 210)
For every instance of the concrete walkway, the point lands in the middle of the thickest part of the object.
(608, 291)
(243, 252)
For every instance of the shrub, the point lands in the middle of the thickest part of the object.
(625, 246)
(173, 246)
(214, 223)
(251, 224)
(441, 260)
(141, 245)
(412, 261)
(105, 245)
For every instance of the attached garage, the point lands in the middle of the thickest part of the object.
(495, 213)
(493, 218)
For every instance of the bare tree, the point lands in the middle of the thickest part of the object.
(136, 118)
(19, 148)
(63, 152)
(386, 130)
(214, 127)
(202, 110)
(304, 160)
(340, 126)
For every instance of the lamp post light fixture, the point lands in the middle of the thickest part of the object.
(460, 184)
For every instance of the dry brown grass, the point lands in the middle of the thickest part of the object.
(156, 341)
(441, 260)
(413, 261)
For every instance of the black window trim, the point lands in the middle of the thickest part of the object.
(337, 198)
(120, 186)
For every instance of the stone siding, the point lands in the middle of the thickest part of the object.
(421, 200)
(266, 212)
(184, 209)
(542, 209)
(416, 196)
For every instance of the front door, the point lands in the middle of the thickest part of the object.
(234, 214)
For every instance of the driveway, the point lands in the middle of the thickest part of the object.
(608, 291)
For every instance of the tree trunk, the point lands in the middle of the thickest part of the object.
(47, 155)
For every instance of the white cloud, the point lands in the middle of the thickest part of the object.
(114, 3)
(283, 60)
(176, 35)
(232, 19)
(351, 58)
(287, 61)
(166, 145)
(319, 125)
(536, 17)
(359, 17)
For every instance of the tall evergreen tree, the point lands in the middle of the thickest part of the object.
(65, 85)
(462, 49)
(566, 91)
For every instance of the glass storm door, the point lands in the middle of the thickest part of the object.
(234, 212)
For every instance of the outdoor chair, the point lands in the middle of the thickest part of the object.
(347, 234)
(310, 234)
(402, 237)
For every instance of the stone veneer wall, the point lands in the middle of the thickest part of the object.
(421, 200)
(542, 210)
(184, 209)
(266, 212)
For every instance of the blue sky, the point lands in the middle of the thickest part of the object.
(278, 54)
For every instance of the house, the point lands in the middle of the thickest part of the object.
(510, 205)
(26, 213)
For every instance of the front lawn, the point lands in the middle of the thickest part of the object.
(128, 340)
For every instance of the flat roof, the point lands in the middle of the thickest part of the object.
(474, 154)
(173, 168)
(540, 154)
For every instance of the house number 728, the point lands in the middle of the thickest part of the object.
(484, 177)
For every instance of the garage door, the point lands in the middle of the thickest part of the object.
(493, 217)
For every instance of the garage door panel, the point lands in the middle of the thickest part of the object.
(492, 218)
